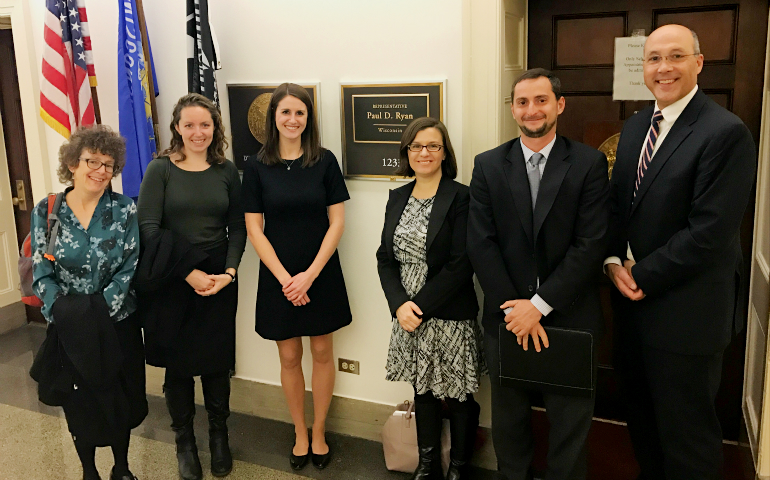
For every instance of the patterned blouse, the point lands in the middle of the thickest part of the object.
(102, 258)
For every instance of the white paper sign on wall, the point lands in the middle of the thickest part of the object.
(628, 83)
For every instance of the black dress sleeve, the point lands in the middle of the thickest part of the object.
(236, 224)
(152, 194)
(252, 187)
(336, 190)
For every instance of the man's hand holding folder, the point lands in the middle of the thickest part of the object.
(523, 319)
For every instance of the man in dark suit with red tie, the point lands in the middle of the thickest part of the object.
(537, 230)
(681, 183)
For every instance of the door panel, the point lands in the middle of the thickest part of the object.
(576, 41)
(755, 385)
(15, 148)
(9, 253)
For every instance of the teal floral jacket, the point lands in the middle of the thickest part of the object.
(101, 258)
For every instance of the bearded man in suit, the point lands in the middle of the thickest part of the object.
(537, 231)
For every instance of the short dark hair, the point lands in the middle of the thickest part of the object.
(448, 166)
(311, 137)
(96, 139)
(215, 154)
(535, 73)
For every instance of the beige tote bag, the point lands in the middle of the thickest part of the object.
(399, 440)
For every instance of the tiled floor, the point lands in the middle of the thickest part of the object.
(38, 446)
(35, 443)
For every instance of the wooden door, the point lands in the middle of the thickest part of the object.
(9, 278)
(15, 150)
(576, 41)
(755, 389)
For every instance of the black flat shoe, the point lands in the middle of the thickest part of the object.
(298, 462)
(321, 461)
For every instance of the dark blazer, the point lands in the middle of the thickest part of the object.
(448, 292)
(562, 243)
(94, 368)
(166, 260)
(683, 226)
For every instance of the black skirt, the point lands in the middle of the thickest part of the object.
(84, 408)
(205, 340)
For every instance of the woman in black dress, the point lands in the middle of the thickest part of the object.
(293, 194)
(191, 198)
(427, 278)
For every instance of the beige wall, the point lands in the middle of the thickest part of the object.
(331, 42)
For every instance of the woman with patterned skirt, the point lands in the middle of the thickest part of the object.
(428, 282)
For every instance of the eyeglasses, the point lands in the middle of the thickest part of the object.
(95, 164)
(416, 147)
(673, 58)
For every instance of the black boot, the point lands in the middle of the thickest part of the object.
(180, 399)
(463, 422)
(427, 410)
(124, 476)
(216, 396)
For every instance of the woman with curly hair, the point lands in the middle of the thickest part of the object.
(92, 363)
(194, 194)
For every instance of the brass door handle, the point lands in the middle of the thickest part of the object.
(21, 199)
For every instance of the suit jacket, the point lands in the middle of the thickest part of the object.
(562, 242)
(448, 292)
(683, 226)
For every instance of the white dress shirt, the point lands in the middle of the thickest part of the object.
(670, 114)
(537, 301)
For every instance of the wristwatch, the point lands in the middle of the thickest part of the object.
(231, 276)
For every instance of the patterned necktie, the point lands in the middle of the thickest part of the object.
(533, 172)
(649, 145)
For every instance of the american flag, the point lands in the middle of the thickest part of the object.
(68, 67)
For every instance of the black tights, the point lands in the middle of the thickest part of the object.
(87, 454)
(454, 404)
(463, 420)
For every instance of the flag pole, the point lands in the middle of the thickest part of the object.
(95, 99)
(148, 69)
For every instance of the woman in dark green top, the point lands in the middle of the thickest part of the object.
(195, 193)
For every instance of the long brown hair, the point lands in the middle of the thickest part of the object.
(312, 150)
(216, 151)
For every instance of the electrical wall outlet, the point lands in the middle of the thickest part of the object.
(349, 366)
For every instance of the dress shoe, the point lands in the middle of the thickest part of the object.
(124, 476)
(320, 461)
(298, 462)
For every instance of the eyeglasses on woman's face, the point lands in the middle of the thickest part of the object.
(95, 164)
(416, 147)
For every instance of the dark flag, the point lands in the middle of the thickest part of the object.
(202, 54)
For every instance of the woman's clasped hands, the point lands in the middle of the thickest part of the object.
(205, 284)
(408, 316)
(295, 288)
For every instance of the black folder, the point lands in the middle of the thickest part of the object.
(565, 367)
